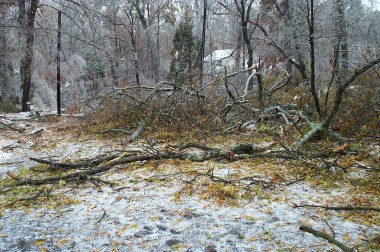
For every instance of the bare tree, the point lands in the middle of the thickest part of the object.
(131, 31)
(140, 9)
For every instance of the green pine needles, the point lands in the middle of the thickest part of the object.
(185, 66)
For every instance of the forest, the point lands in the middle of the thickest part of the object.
(172, 125)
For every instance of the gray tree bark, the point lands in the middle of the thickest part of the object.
(203, 41)
(150, 43)
(26, 22)
(311, 24)
(244, 8)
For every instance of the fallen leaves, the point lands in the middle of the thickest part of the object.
(63, 242)
(340, 148)
(39, 242)
(90, 208)
(12, 175)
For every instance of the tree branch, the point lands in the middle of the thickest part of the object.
(343, 208)
(326, 237)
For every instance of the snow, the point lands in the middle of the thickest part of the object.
(150, 220)
(138, 215)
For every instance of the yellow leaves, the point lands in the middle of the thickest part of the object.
(277, 178)
(39, 242)
(154, 218)
(251, 239)
(249, 218)
(221, 191)
(177, 197)
(346, 237)
(135, 226)
(230, 191)
(62, 183)
(269, 210)
(12, 175)
(61, 200)
(63, 242)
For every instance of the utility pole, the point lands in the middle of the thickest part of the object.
(203, 42)
(59, 63)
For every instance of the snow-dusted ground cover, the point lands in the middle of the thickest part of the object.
(147, 212)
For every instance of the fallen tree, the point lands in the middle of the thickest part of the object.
(85, 169)
(325, 124)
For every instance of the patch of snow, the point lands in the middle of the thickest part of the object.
(145, 217)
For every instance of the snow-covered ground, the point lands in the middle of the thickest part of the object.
(145, 214)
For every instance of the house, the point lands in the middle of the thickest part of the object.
(219, 60)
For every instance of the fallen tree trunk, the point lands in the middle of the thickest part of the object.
(104, 163)
(87, 168)
(327, 237)
(80, 175)
(325, 124)
(137, 132)
(343, 208)
(11, 127)
(79, 164)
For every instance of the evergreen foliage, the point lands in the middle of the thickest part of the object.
(186, 62)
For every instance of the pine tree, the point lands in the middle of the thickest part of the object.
(186, 63)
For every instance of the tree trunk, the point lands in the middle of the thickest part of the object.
(22, 17)
(325, 125)
(259, 77)
(150, 43)
(131, 32)
(114, 60)
(249, 51)
(244, 12)
(311, 24)
(239, 51)
(342, 87)
(27, 60)
(135, 60)
(158, 63)
(343, 38)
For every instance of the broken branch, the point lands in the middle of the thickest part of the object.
(343, 208)
(327, 237)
